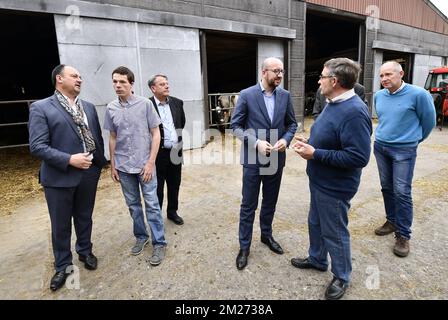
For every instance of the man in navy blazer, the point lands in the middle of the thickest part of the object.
(264, 121)
(65, 134)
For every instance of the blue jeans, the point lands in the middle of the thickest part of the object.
(328, 232)
(396, 170)
(131, 185)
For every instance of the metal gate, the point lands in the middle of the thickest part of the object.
(221, 106)
(13, 128)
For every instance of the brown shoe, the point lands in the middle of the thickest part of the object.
(385, 229)
(401, 247)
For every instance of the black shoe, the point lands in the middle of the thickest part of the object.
(58, 280)
(90, 261)
(336, 289)
(305, 264)
(176, 219)
(272, 244)
(241, 259)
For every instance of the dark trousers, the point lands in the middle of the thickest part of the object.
(171, 174)
(76, 202)
(251, 190)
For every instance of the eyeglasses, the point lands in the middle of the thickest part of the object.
(277, 71)
(324, 77)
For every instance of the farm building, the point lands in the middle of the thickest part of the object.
(206, 48)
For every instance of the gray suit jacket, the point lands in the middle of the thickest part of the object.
(54, 138)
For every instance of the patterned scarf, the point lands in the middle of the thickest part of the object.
(78, 117)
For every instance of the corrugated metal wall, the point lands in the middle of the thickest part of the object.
(415, 13)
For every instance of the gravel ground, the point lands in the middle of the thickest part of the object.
(200, 261)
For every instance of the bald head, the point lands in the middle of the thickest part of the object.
(269, 62)
(393, 65)
(272, 73)
(391, 75)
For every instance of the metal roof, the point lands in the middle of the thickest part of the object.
(415, 13)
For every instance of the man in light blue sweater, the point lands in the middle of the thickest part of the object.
(406, 117)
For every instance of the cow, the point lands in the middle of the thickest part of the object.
(223, 110)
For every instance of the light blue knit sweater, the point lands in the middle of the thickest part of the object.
(406, 118)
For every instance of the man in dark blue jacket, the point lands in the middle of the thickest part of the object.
(65, 134)
(337, 150)
(264, 121)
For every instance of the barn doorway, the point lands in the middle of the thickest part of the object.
(328, 36)
(231, 67)
(29, 54)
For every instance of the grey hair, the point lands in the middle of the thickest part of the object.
(153, 78)
(345, 70)
(395, 64)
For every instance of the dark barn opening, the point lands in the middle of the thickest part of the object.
(231, 62)
(231, 67)
(29, 54)
(327, 36)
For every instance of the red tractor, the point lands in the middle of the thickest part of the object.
(437, 84)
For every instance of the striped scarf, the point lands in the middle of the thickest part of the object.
(78, 117)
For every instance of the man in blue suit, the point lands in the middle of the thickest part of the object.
(65, 134)
(264, 121)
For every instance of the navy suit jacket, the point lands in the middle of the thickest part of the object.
(250, 121)
(54, 138)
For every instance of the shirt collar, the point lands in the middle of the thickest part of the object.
(159, 103)
(343, 97)
(263, 89)
(129, 101)
(66, 98)
(399, 89)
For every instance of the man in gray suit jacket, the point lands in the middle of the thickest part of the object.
(65, 134)
(264, 121)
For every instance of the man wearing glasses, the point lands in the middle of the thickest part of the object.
(337, 150)
(320, 101)
(264, 121)
(169, 157)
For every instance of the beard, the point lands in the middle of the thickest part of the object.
(272, 82)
